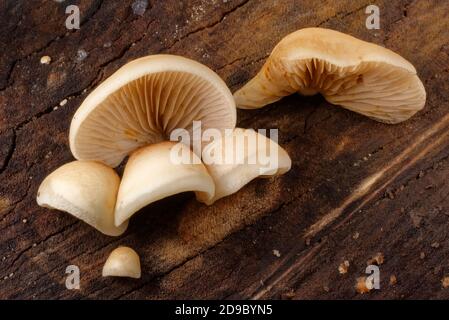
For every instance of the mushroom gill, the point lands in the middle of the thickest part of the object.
(143, 102)
(355, 74)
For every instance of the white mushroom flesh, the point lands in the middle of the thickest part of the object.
(86, 190)
(143, 102)
(151, 174)
(122, 262)
(357, 75)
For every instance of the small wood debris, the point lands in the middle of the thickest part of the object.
(421, 174)
(356, 235)
(378, 259)
(393, 280)
(308, 241)
(139, 7)
(422, 255)
(390, 194)
(81, 54)
(360, 285)
(45, 60)
(326, 288)
(435, 245)
(416, 219)
(288, 295)
(343, 267)
(24, 220)
(276, 253)
(445, 282)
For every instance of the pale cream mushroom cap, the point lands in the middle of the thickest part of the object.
(86, 190)
(143, 102)
(122, 262)
(358, 75)
(152, 174)
(248, 156)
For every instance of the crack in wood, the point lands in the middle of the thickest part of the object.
(342, 14)
(48, 237)
(209, 26)
(11, 150)
(8, 82)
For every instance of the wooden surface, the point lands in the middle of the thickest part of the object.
(356, 187)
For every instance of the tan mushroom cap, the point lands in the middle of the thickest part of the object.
(151, 174)
(143, 102)
(250, 154)
(358, 75)
(86, 190)
(122, 262)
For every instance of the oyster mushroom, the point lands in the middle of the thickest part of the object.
(86, 190)
(357, 75)
(240, 157)
(152, 173)
(143, 102)
(122, 262)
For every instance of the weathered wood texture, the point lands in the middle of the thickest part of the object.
(350, 176)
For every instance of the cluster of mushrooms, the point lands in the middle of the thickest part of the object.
(134, 111)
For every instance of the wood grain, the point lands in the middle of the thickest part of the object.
(356, 187)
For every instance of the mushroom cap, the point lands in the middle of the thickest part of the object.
(122, 262)
(86, 190)
(248, 152)
(151, 175)
(143, 102)
(358, 75)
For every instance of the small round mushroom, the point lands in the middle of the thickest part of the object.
(122, 262)
(86, 190)
(358, 75)
(240, 157)
(143, 102)
(152, 174)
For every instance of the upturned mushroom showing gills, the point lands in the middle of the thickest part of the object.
(143, 102)
(122, 262)
(357, 75)
(86, 190)
(152, 173)
(240, 157)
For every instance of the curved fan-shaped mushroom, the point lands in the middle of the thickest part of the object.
(153, 173)
(240, 157)
(358, 75)
(86, 190)
(143, 102)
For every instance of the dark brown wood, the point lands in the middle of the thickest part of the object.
(356, 187)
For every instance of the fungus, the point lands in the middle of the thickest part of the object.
(122, 262)
(240, 157)
(86, 190)
(143, 102)
(357, 75)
